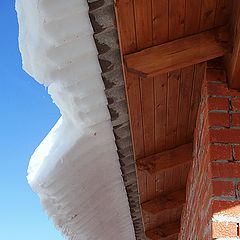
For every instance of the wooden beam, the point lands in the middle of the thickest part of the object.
(165, 202)
(178, 54)
(164, 232)
(166, 160)
(233, 59)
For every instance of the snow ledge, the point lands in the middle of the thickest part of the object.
(75, 170)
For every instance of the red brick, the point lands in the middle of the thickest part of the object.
(226, 170)
(216, 75)
(220, 152)
(236, 120)
(212, 144)
(218, 104)
(236, 104)
(223, 188)
(224, 229)
(217, 89)
(237, 152)
(219, 119)
(221, 90)
(238, 189)
(225, 135)
(226, 208)
(216, 63)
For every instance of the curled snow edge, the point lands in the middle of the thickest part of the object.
(75, 170)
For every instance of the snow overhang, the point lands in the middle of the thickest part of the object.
(75, 170)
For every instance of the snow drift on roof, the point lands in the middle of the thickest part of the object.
(75, 170)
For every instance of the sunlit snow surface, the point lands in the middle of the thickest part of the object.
(75, 170)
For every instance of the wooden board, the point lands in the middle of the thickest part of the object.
(199, 75)
(165, 232)
(176, 19)
(147, 96)
(177, 54)
(165, 202)
(192, 18)
(163, 108)
(143, 24)
(160, 95)
(185, 103)
(223, 12)
(166, 160)
(160, 17)
(233, 60)
(174, 79)
(133, 38)
(208, 12)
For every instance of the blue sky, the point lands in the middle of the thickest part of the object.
(26, 116)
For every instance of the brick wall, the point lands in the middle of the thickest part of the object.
(212, 209)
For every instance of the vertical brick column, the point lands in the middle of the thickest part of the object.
(212, 208)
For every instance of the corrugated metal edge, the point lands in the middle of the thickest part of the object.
(102, 17)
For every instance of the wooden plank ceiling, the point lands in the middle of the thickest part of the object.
(163, 107)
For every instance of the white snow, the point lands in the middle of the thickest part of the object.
(75, 170)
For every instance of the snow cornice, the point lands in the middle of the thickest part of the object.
(75, 170)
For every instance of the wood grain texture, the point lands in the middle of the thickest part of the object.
(233, 59)
(126, 25)
(135, 110)
(160, 18)
(176, 19)
(199, 74)
(223, 12)
(142, 184)
(148, 113)
(163, 104)
(126, 30)
(166, 160)
(143, 23)
(131, 15)
(164, 202)
(208, 12)
(168, 216)
(177, 54)
(160, 90)
(192, 17)
(165, 232)
(187, 78)
(174, 79)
